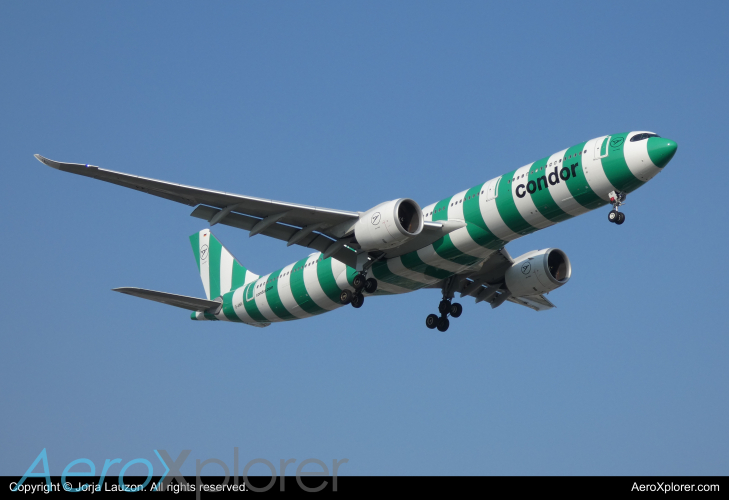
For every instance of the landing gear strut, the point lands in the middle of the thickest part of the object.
(445, 307)
(617, 199)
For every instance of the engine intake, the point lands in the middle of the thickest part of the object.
(538, 272)
(389, 224)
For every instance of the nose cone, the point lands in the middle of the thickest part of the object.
(661, 150)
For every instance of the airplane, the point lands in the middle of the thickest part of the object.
(456, 245)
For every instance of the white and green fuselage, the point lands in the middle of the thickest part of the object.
(540, 194)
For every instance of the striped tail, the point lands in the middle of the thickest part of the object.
(219, 270)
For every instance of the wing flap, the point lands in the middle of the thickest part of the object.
(535, 302)
(279, 231)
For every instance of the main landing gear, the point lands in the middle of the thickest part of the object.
(360, 282)
(617, 198)
(445, 308)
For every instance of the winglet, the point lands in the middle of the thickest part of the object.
(74, 168)
(50, 163)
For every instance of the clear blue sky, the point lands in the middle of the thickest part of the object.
(346, 105)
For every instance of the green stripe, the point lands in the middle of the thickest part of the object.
(195, 241)
(440, 211)
(214, 251)
(542, 198)
(228, 310)
(250, 305)
(239, 275)
(209, 316)
(507, 207)
(476, 225)
(444, 247)
(616, 169)
(274, 299)
(298, 289)
(413, 262)
(577, 183)
(327, 280)
(660, 150)
(383, 273)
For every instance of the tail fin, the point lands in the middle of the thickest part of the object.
(219, 270)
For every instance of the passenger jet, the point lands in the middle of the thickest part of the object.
(456, 245)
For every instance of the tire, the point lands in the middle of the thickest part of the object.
(431, 321)
(614, 216)
(358, 281)
(443, 324)
(444, 306)
(345, 297)
(621, 218)
(456, 309)
(357, 300)
(370, 285)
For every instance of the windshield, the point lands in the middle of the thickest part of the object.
(642, 137)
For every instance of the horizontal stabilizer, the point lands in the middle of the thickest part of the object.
(183, 301)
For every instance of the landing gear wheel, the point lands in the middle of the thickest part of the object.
(443, 324)
(345, 297)
(444, 306)
(358, 281)
(431, 321)
(456, 309)
(357, 300)
(370, 285)
(614, 216)
(621, 218)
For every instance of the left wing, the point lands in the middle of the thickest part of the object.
(486, 284)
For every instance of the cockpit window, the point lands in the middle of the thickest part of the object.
(642, 137)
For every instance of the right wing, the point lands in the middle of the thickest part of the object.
(326, 230)
(312, 227)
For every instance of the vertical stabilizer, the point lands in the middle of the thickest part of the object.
(219, 270)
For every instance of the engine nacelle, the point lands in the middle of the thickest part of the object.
(389, 224)
(538, 272)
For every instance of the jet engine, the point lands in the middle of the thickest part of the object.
(538, 272)
(389, 224)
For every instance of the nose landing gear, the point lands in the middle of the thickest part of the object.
(616, 217)
(617, 199)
